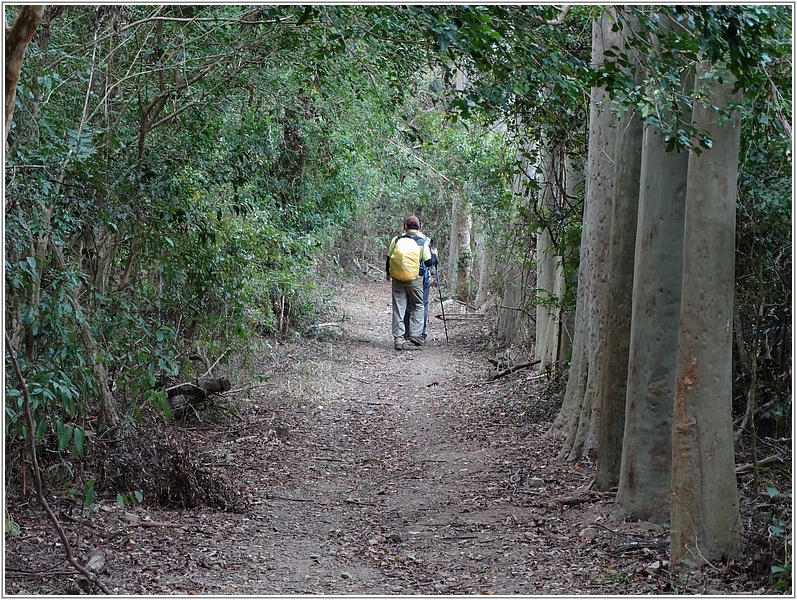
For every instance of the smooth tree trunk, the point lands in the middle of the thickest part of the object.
(514, 322)
(486, 267)
(18, 37)
(613, 364)
(705, 520)
(577, 420)
(464, 251)
(550, 278)
(574, 179)
(453, 246)
(644, 487)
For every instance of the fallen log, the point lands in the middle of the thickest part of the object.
(184, 394)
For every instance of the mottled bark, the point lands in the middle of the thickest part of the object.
(577, 419)
(644, 486)
(453, 246)
(613, 364)
(705, 521)
(514, 322)
(548, 264)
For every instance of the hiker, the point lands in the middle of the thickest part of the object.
(426, 273)
(403, 267)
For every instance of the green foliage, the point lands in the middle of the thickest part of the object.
(129, 498)
(749, 45)
(88, 496)
(779, 530)
(11, 526)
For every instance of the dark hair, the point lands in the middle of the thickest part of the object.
(412, 222)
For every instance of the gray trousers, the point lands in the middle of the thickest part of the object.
(408, 298)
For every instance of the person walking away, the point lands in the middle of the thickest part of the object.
(403, 268)
(426, 273)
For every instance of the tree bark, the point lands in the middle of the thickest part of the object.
(18, 37)
(577, 419)
(453, 248)
(486, 266)
(513, 322)
(464, 251)
(613, 364)
(644, 486)
(574, 178)
(705, 521)
(549, 265)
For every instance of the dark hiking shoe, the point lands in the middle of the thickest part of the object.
(417, 342)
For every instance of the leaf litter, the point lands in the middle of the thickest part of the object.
(359, 470)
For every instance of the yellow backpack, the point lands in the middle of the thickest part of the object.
(405, 260)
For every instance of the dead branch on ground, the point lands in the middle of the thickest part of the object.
(515, 368)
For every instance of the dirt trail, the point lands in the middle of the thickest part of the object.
(370, 471)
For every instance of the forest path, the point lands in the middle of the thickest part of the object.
(371, 471)
(384, 485)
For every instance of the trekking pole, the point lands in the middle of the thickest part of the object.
(440, 292)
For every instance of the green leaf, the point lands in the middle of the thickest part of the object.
(42, 427)
(64, 436)
(78, 438)
(11, 526)
(88, 499)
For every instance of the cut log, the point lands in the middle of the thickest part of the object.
(94, 565)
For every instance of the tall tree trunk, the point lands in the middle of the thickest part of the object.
(577, 418)
(613, 364)
(549, 264)
(453, 246)
(574, 179)
(705, 522)
(514, 322)
(486, 266)
(644, 487)
(464, 251)
(18, 37)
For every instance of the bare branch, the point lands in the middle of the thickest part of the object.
(561, 18)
